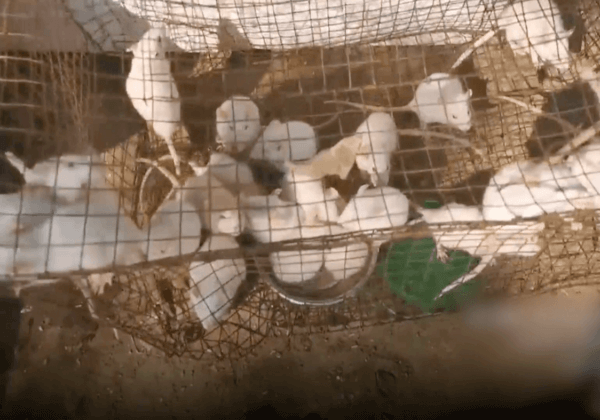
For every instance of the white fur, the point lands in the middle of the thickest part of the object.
(151, 86)
(345, 261)
(294, 141)
(585, 165)
(174, 230)
(215, 283)
(229, 171)
(535, 27)
(271, 219)
(238, 123)
(296, 266)
(376, 208)
(308, 191)
(441, 98)
(212, 199)
(447, 235)
(23, 220)
(302, 265)
(379, 139)
(109, 236)
(231, 222)
(68, 175)
(332, 199)
(529, 189)
(452, 213)
(93, 232)
(519, 239)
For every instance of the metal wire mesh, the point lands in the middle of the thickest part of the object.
(152, 253)
(281, 25)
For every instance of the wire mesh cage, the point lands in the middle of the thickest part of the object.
(213, 173)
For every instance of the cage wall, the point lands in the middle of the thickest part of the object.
(158, 271)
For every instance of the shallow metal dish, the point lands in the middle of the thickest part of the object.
(310, 293)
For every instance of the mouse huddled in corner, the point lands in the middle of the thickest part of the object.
(549, 41)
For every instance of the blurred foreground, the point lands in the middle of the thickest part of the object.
(493, 354)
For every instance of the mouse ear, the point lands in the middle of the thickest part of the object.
(470, 93)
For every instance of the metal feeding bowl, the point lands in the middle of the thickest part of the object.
(323, 290)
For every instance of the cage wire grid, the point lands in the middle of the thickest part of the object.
(64, 102)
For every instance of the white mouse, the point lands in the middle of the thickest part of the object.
(212, 198)
(67, 239)
(533, 27)
(175, 229)
(152, 89)
(271, 219)
(343, 262)
(530, 189)
(94, 232)
(215, 283)
(238, 123)
(376, 208)
(441, 98)
(308, 191)
(68, 175)
(115, 239)
(24, 219)
(301, 265)
(294, 141)
(379, 140)
(42, 203)
(296, 266)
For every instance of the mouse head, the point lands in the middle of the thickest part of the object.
(155, 43)
(456, 102)
(442, 98)
(230, 222)
(238, 120)
(375, 164)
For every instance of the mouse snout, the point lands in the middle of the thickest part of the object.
(465, 127)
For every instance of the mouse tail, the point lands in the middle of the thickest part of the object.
(415, 207)
(485, 38)
(14, 160)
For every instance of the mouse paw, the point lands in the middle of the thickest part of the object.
(442, 254)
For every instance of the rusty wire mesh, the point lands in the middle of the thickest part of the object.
(65, 100)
